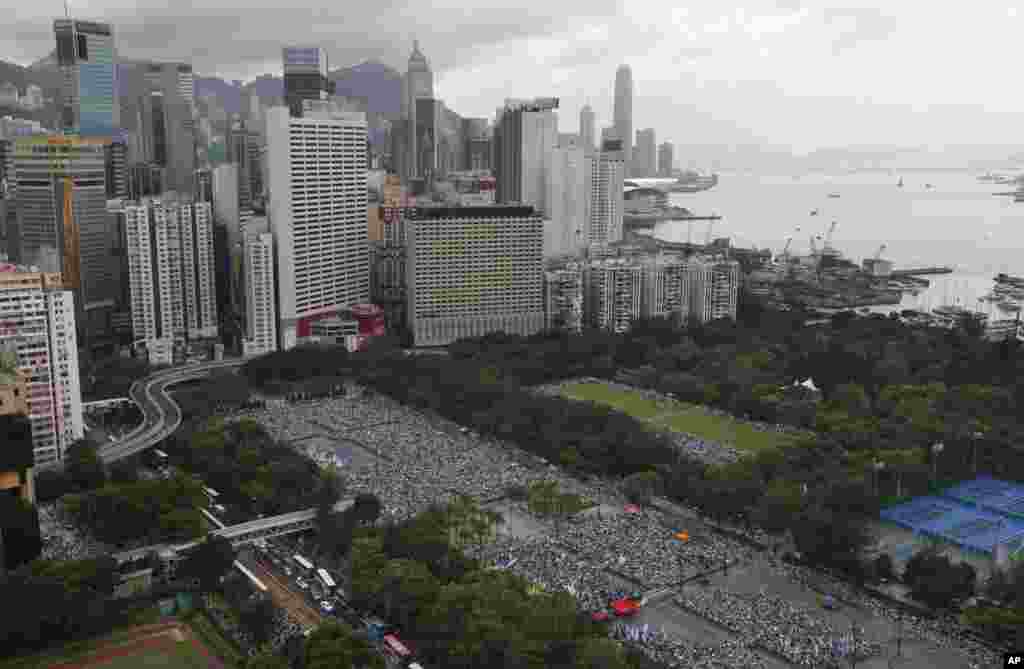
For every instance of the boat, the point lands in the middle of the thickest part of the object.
(833, 195)
(1010, 280)
(814, 212)
(929, 186)
(694, 182)
(900, 184)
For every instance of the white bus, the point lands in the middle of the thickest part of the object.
(211, 493)
(160, 455)
(303, 562)
(325, 579)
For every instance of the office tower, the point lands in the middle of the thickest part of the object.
(477, 134)
(38, 315)
(115, 159)
(316, 177)
(474, 270)
(645, 156)
(623, 113)
(418, 83)
(607, 170)
(665, 159)
(609, 134)
(567, 202)
(87, 59)
(157, 109)
(229, 215)
(713, 289)
(62, 223)
(305, 77)
(563, 299)
(203, 189)
(260, 290)
(664, 292)
(238, 153)
(425, 138)
(587, 129)
(525, 139)
(171, 272)
(145, 180)
(613, 294)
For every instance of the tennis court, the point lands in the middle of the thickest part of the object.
(991, 495)
(970, 527)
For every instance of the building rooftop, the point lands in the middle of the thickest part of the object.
(482, 211)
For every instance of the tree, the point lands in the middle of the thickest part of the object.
(332, 645)
(642, 486)
(258, 617)
(267, 660)
(209, 561)
(84, 467)
(367, 508)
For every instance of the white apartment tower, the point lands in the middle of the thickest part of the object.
(170, 272)
(472, 271)
(39, 316)
(316, 168)
(714, 290)
(665, 293)
(614, 294)
(567, 202)
(260, 291)
(607, 173)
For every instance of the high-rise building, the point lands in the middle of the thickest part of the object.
(427, 130)
(477, 134)
(567, 197)
(474, 270)
(587, 129)
(645, 156)
(260, 290)
(665, 291)
(116, 168)
(525, 140)
(623, 113)
(316, 169)
(87, 58)
(714, 289)
(607, 171)
(418, 83)
(16, 457)
(233, 219)
(62, 222)
(239, 141)
(614, 290)
(39, 317)
(665, 159)
(171, 273)
(305, 77)
(144, 180)
(563, 299)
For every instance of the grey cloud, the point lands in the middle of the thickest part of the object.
(869, 25)
(218, 36)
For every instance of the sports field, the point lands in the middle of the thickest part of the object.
(679, 417)
(170, 645)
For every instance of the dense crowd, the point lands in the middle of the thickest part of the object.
(801, 636)
(63, 539)
(425, 460)
(675, 653)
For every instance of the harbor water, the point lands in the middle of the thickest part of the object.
(955, 222)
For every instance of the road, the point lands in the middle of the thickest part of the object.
(283, 596)
(161, 414)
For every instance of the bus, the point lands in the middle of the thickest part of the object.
(396, 647)
(303, 562)
(161, 457)
(211, 493)
(326, 580)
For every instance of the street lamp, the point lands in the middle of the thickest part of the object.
(937, 448)
(878, 466)
(974, 452)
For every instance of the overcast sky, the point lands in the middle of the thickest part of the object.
(789, 73)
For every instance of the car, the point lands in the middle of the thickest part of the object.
(326, 606)
(303, 585)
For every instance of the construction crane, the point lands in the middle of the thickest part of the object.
(814, 247)
(711, 226)
(878, 253)
(828, 237)
(785, 251)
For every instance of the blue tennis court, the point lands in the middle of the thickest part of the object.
(990, 494)
(973, 528)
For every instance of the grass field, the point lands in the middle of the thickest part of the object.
(679, 417)
(182, 655)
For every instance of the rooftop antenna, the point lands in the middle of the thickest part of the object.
(67, 12)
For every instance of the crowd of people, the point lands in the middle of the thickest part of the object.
(63, 539)
(676, 653)
(802, 637)
(424, 460)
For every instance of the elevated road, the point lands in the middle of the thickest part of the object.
(161, 415)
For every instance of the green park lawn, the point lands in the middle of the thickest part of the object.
(678, 416)
(183, 655)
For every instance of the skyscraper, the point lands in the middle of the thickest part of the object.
(418, 83)
(623, 114)
(645, 156)
(316, 177)
(305, 77)
(62, 221)
(607, 172)
(38, 316)
(665, 159)
(613, 294)
(567, 197)
(87, 59)
(472, 271)
(260, 290)
(587, 129)
(525, 140)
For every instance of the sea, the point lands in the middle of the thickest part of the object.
(958, 222)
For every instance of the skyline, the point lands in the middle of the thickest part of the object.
(778, 74)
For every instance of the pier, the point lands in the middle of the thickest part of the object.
(921, 271)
